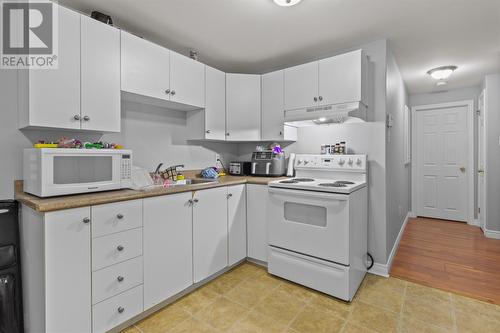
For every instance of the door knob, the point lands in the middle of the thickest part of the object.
(462, 169)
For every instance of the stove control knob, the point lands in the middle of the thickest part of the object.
(306, 162)
(300, 161)
(358, 161)
(341, 161)
(350, 162)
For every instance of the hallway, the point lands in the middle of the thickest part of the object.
(451, 256)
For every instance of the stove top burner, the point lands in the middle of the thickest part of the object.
(332, 185)
(303, 180)
(345, 182)
(291, 181)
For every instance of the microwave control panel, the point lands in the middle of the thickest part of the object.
(126, 166)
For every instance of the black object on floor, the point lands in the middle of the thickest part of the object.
(11, 306)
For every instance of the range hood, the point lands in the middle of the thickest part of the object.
(327, 114)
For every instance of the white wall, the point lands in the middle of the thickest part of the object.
(158, 135)
(398, 174)
(446, 96)
(492, 175)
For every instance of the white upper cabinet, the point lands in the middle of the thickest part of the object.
(100, 76)
(145, 67)
(243, 107)
(209, 232)
(215, 104)
(187, 80)
(301, 86)
(342, 78)
(51, 98)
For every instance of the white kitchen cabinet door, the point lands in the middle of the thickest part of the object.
(187, 80)
(340, 78)
(215, 104)
(301, 86)
(273, 106)
(100, 73)
(257, 198)
(68, 286)
(209, 232)
(51, 98)
(243, 107)
(168, 247)
(236, 223)
(145, 67)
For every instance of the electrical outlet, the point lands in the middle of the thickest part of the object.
(217, 158)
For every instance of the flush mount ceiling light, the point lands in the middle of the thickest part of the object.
(286, 3)
(442, 73)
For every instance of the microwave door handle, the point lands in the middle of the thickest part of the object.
(268, 167)
(253, 167)
(308, 194)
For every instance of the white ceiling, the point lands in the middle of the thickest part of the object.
(256, 36)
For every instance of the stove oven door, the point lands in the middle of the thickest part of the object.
(311, 223)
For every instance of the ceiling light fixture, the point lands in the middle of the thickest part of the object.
(442, 73)
(286, 3)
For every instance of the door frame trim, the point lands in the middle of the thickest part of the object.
(470, 151)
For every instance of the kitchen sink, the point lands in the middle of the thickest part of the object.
(198, 181)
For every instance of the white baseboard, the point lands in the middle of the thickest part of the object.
(474, 222)
(491, 233)
(384, 269)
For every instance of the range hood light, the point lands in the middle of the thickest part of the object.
(286, 3)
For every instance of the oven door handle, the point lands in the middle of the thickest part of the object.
(309, 194)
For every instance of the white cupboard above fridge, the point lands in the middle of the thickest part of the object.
(149, 70)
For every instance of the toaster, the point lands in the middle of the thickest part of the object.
(240, 168)
(268, 163)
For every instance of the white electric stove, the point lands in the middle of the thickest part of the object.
(317, 224)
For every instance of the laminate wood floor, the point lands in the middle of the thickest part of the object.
(451, 256)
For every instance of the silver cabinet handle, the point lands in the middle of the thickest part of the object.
(120, 278)
(167, 91)
(208, 131)
(86, 220)
(172, 92)
(281, 133)
(190, 202)
(229, 195)
(121, 309)
(76, 117)
(315, 99)
(320, 98)
(196, 200)
(119, 216)
(120, 248)
(86, 118)
(227, 134)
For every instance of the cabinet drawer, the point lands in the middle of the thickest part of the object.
(111, 218)
(116, 310)
(116, 279)
(115, 248)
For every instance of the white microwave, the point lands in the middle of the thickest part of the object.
(49, 172)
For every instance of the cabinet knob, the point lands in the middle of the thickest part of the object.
(172, 92)
(196, 200)
(120, 248)
(320, 98)
(119, 216)
(76, 117)
(167, 91)
(121, 309)
(281, 133)
(227, 134)
(86, 118)
(86, 220)
(315, 99)
(120, 278)
(208, 131)
(229, 195)
(190, 202)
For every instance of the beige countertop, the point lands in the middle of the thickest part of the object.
(98, 198)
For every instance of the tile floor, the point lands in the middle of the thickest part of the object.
(247, 299)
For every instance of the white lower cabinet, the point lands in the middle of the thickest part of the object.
(236, 223)
(168, 247)
(209, 232)
(257, 198)
(116, 310)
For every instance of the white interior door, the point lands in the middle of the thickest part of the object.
(481, 189)
(442, 163)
